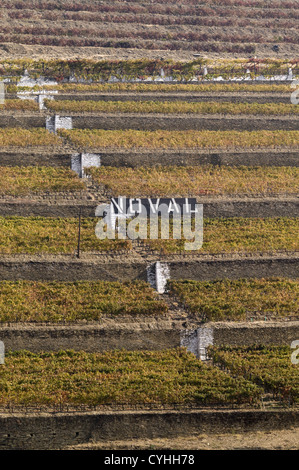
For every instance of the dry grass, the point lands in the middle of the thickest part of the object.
(23, 181)
(19, 105)
(173, 107)
(50, 235)
(237, 299)
(196, 180)
(232, 235)
(143, 377)
(238, 235)
(18, 137)
(56, 302)
(162, 139)
(169, 88)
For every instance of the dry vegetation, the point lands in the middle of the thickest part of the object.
(23, 181)
(211, 27)
(19, 105)
(57, 302)
(169, 107)
(269, 366)
(186, 181)
(163, 88)
(19, 137)
(116, 377)
(163, 139)
(238, 235)
(59, 236)
(239, 299)
(56, 236)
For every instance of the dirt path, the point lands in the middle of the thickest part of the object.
(267, 440)
(18, 51)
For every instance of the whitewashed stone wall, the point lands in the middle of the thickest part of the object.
(189, 340)
(39, 97)
(197, 341)
(81, 161)
(26, 81)
(162, 276)
(205, 339)
(89, 160)
(76, 163)
(56, 122)
(50, 124)
(158, 275)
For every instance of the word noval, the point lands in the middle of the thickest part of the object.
(152, 218)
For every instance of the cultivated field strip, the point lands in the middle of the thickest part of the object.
(179, 340)
(172, 181)
(173, 97)
(167, 107)
(154, 377)
(186, 90)
(96, 301)
(250, 236)
(160, 181)
(264, 365)
(215, 28)
(167, 139)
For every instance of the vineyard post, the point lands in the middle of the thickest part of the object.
(79, 233)
(2, 93)
(2, 352)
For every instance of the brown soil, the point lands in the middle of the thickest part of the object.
(19, 51)
(138, 254)
(267, 440)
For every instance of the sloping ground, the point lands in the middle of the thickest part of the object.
(10, 50)
(42, 430)
(257, 440)
(234, 249)
(224, 28)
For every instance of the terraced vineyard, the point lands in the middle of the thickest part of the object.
(132, 139)
(27, 138)
(132, 322)
(165, 107)
(161, 88)
(167, 377)
(236, 235)
(269, 366)
(66, 302)
(24, 181)
(237, 299)
(27, 301)
(196, 181)
(228, 27)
